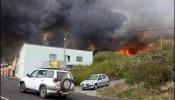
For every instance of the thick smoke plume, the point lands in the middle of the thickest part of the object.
(90, 24)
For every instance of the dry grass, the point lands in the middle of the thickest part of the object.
(113, 89)
(164, 96)
(136, 92)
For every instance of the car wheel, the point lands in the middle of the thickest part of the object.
(82, 88)
(22, 88)
(63, 96)
(43, 92)
(95, 87)
(108, 83)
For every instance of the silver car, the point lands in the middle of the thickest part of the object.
(95, 81)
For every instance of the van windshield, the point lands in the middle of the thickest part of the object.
(64, 75)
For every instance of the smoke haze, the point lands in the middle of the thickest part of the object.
(99, 24)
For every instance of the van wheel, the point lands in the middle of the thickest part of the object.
(95, 87)
(43, 92)
(22, 88)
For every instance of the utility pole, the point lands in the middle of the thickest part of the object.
(161, 40)
(65, 37)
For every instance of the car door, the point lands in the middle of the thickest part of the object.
(104, 79)
(30, 80)
(39, 79)
(100, 81)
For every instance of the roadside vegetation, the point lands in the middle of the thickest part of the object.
(135, 92)
(148, 72)
(103, 62)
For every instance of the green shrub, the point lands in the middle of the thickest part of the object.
(102, 56)
(108, 63)
(153, 67)
(151, 73)
(107, 55)
(79, 72)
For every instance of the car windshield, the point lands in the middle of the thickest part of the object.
(93, 77)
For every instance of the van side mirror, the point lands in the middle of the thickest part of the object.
(28, 75)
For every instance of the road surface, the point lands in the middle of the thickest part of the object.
(9, 91)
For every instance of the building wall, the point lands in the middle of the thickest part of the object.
(32, 57)
(20, 64)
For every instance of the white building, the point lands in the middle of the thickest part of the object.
(36, 56)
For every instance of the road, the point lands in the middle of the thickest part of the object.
(9, 91)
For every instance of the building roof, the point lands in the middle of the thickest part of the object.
(44, 46)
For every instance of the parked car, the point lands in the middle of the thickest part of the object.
(47, 82)
(95, 81)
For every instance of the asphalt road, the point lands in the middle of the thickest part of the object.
(9, 91)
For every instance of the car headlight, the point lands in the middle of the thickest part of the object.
(81, 84)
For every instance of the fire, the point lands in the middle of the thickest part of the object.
(130, 50)
(123, 51)
(139, 43)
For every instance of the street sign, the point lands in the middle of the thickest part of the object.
(54, 63)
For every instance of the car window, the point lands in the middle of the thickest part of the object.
(63, 75)
(41, 74)
(93, 77)
(49, 74)
(99, 77)
(104, 76)
(34, 73)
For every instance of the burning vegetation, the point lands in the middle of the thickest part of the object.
(124, 52)
(131, 49)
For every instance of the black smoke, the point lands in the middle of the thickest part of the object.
(87, 22)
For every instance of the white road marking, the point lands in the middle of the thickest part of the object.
(4, 98)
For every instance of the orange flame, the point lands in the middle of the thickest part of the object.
(123, 51)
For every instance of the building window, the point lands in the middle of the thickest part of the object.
(52, 57)
(67, 58)
(79, 59)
